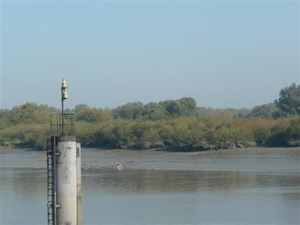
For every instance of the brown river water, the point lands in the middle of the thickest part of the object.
(240, 186)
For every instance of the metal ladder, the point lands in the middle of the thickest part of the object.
(50, 184)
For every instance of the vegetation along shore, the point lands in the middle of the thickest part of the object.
(175, 124)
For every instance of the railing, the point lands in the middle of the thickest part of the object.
(62, 124)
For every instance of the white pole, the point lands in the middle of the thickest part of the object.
(66, 181)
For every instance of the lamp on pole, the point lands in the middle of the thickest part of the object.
(64, 95)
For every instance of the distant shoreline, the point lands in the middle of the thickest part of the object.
(16, 146)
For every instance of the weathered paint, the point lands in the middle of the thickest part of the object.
(66, 181)
(78, 160)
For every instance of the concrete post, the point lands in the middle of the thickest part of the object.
(66, 181)
(78, 163)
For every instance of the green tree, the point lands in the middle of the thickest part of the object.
(92, 115)
(289, 100)
(80, 106)
(4, 118)
(293, 133)
(172, 107)
(154, 111)
(264, 111)
(131, 110)
(182, 107)
(188, 106)
(29, 113)
(225, 113)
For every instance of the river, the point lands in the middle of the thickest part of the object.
(243, 186)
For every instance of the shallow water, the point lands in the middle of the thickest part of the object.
(252, 186)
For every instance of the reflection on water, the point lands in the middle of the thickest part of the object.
(30, 180)
(258, 186)
(23, 180)
(141, 181)
(159, 197)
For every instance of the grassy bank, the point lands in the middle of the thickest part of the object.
(189, 133)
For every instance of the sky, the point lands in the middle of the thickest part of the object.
(224, 54)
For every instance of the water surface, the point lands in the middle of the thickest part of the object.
(253, 186)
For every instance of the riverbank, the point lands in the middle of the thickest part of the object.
(179, 133)
(199, 146)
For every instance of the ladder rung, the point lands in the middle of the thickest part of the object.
(50, 182)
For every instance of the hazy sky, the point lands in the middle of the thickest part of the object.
(222, 53)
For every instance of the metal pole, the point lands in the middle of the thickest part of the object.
(62, 113)
(64, 96)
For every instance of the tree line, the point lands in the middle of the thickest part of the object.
(177, 124)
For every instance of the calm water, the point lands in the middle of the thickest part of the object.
(253, 186)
